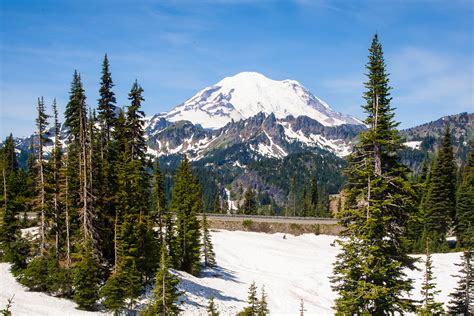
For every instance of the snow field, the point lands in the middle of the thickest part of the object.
(291, 269)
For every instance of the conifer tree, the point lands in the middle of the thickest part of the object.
(428, 290)
(185, 203)
(250, 202)
(252, 299)
(262, 303)
(106, 175)
(41, 125)
(135, 123)
(55, 161)
(440, 204)
(465, 205)
(165, 293)
(211, 307)
(86, 276)
(207, 248)
(313, 196)
(107, 103)
(13, 201)
(129, 256)
(369, 272)
(462, 302)
(78, 159)
(113, 292)
(217, 204)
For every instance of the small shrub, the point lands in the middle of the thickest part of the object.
(316, 229)
(247, 223)
(294, 226)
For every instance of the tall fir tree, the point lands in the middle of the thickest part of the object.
(186, 202)
(369, 273)
(135, 116)
(465, 205)
(42, 127)
(13, 201)
(54, 179)
(106, 104)
(440, 204)
(462, 302)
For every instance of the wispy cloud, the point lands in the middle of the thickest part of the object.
(426, 78)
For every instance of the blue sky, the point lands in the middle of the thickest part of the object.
(176, 47)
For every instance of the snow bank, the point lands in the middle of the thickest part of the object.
(27, 303)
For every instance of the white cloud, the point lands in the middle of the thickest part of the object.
(427, 78)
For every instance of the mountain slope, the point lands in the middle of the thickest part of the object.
(249, 93)
(425, 139)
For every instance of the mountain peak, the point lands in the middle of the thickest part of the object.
(249, 93)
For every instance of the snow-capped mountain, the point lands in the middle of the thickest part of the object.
(249, 93)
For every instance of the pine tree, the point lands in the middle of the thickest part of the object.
(314, 194)
(185, 203)
(217, 204)
(107, 103)
(462, 302)
(252, 299)
(11, 245)
(42, 126)
(135, 123)
(55, 162)
(78, 159)
(128, 259)
(165, 293)
(262, 304)
(465, 205)
(250, 202)
(113, 292)
(106, 175)
(440, 204)
(369, 272)
(86, 276)
(211, 307)
(428, 290)
(207, 248)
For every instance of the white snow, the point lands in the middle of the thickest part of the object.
(27, 303)
(337, 146)
(291, 269)
(249, 93)
(413, 144)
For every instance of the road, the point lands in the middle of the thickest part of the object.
(271, 219)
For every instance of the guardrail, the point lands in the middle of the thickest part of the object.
(267, 218)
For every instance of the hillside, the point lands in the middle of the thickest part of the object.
(425, 139)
